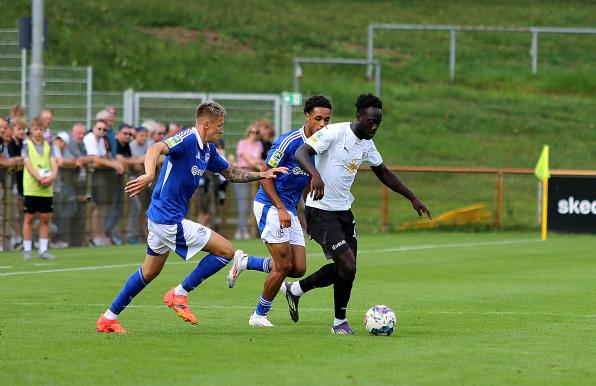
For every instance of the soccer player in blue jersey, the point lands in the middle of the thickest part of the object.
(275, 208)
(189, 154)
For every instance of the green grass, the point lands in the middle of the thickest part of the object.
(496, 308)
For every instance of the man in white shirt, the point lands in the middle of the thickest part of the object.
(101, 189)
(340, 149)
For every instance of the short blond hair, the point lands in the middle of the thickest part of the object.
(210, 109)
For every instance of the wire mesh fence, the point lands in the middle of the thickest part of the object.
(91, 208)
(11, 86)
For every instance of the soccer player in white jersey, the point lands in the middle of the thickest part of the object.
(276, 211)
(189, 154)
(340, 149)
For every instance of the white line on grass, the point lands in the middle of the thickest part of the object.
(6, 267)
(307, 309)
(382, 250)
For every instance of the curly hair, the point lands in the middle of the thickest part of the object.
(365, 101)
(316, 101)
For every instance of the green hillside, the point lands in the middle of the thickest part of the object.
(496, 114)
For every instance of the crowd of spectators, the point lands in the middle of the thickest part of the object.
(94, 165)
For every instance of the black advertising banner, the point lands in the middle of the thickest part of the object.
(572, 204)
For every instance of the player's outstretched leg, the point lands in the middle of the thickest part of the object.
(243, 262)
(108, 322)
(324, 277)
(220, 252)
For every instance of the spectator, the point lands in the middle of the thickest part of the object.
(154, 133)
(248, 152)
(123, 138)
(173, 129)
(95, 146)
(16, 112)
(39, 174)
(47, 117)
(138, 203)
(79, 183)
(5, 163)
(15, 147)
(64, 191)
(266, 134)
(110, 137)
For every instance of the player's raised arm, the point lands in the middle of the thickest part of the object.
(392, 181)
(302, 156)
(135, 186)
(237, 175)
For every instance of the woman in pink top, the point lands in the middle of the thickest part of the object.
(248, 153)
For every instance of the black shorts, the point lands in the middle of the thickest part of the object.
(335, 231)
(35, 204)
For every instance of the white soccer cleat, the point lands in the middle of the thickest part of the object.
(238, 265)
(259, 321)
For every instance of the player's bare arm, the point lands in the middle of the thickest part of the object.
(302, 156)
(285, 221)
(237, 175)
(137, 185)
(392, 181)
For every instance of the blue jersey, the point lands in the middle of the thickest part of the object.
(180, 175)
(289, 186)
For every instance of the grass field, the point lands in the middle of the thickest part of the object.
(494, 308)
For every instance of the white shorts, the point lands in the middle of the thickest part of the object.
(185, 238)
(268, 221)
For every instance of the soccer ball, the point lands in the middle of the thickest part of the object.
(380, 320)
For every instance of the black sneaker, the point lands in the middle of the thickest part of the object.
(292, 301)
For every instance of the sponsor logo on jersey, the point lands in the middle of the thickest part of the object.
(196, 171)
(353, 167)
(573, 206)
(315, 137)
(276, 158)
(173, 141)
(335, 246)
(299, 172)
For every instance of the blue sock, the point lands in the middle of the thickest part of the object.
(264, 306)
(258, 263)
(135, 284)
(207, 267)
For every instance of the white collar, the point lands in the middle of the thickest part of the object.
(303, 134)
(199, 140)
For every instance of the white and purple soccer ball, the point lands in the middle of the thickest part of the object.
(380, 320)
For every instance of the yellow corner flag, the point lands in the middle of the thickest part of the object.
(542, 172)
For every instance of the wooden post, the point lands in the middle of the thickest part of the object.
(499, 195)
(384, 209)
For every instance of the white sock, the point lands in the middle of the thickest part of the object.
(337, 322)
(180, 291)
(27, 244)
(296, 289)
(110, 315)
(43, 245)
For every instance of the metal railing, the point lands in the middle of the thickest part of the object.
(453, 29)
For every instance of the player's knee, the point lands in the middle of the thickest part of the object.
(228, 251)
(44, 218)
(151, 273)
(297, 271)
(28, 219)
(347, 270)
(284, 267)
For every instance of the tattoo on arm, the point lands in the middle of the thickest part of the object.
(234, 174)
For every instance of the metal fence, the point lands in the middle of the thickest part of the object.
(453, 29)
(13, 62)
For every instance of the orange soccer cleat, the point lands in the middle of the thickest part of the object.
(179, 304)
(106, 325)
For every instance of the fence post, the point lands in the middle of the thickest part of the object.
(452, 46)
(128, 106)
(534, 52)
(24, 77)
(370, 49)
(384, 209)
(378, 79)
(89, 95)
(499, 196)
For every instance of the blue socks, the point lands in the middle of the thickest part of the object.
(264, 306)
(207, 267)
(133, 286)
(258, 263)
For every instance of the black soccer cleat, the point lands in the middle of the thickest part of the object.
(292, 301)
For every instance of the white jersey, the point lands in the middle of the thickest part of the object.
(339, 155)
